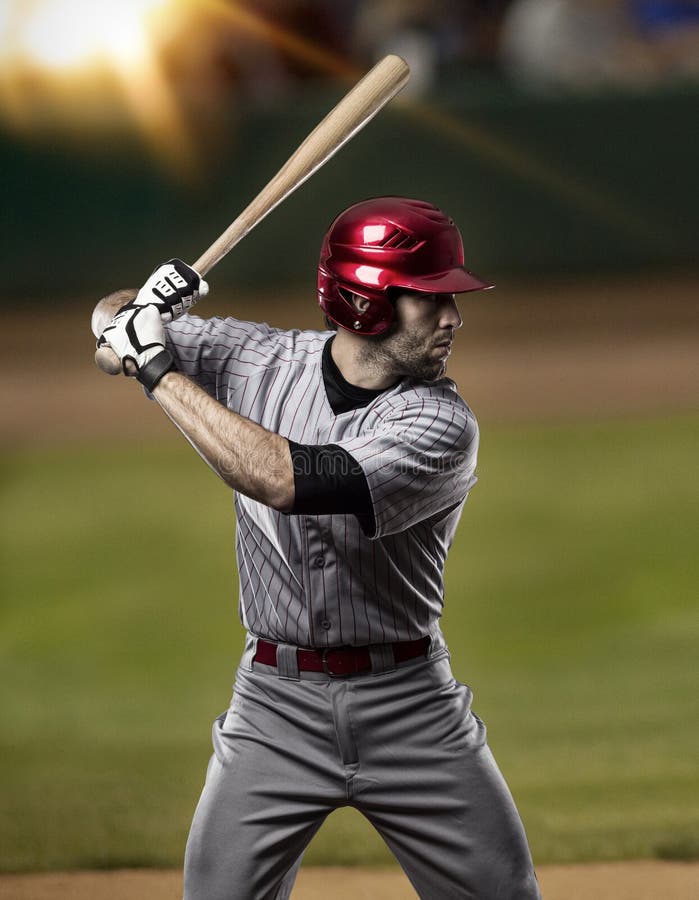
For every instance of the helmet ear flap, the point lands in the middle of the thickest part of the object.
(338, 301)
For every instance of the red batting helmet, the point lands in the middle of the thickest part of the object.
(389, 242)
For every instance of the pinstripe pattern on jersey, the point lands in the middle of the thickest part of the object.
(319, 580)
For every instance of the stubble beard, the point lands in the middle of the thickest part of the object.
(402, 354)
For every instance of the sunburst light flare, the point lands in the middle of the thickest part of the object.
(80, 67)
(58, 35)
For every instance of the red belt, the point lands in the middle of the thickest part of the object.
(339, 660)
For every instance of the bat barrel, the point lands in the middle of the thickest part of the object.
(351, 114)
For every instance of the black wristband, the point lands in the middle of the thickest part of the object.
(153, 371)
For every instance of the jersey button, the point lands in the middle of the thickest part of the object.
(326, 624)
(319, 562)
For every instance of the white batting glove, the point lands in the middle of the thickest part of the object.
(136, 335)
(173, 288)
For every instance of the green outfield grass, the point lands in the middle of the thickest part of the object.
(571, 611)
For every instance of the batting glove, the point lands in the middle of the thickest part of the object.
(136, 335)
(173, 288)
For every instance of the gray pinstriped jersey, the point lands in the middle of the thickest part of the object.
(319, 581)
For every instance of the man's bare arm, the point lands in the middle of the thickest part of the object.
(250, 459)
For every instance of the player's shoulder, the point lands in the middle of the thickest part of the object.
(252, 337)
(415, 395)
(435, 405)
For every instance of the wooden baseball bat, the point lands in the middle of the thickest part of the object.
(350, 115)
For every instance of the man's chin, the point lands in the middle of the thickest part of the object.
(429, 373)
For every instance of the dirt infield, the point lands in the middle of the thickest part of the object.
(643, 880)
(557, 351)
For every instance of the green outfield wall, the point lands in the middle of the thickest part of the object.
(538, 185)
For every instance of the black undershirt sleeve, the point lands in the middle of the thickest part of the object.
(329, 481)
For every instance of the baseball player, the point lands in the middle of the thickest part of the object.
(351, 456)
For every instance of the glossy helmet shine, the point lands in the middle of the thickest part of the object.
(385, 243)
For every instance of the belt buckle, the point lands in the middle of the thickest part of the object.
(347, 664)
(324, 662)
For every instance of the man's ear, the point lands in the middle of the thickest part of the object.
(361, 304)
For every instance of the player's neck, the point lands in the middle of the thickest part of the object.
(347, 355)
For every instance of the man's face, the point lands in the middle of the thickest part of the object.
(419, 342)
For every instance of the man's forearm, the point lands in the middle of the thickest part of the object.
(250, 459)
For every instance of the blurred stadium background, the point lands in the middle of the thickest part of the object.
(562, 137)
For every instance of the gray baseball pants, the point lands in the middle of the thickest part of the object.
(400, 745)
